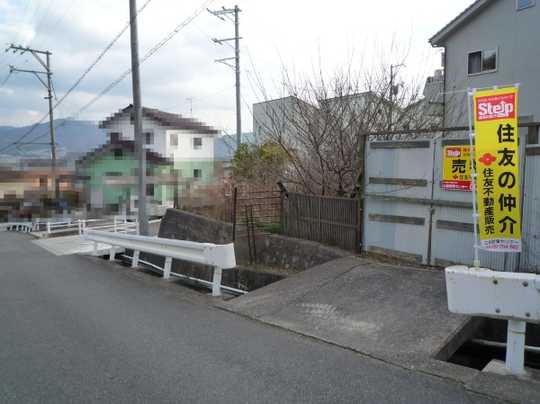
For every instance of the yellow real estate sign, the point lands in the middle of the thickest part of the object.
(497, 167)
(456, 168)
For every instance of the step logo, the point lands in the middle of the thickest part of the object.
(502, 106)
(453, 152)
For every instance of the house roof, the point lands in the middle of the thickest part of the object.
(125, 145)
(474, 9)
(166, 119)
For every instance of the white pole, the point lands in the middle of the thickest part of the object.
(167, 268)
(470, 94)
(135, 261)
(515, 348)
(216, 284)
(112, 253)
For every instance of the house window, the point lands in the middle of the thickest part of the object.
(482, 61)
(149, 170)
(149, 189)
(113, 174)
(148, 138)
(174, 140)
(523, 4)
(115, 137)
(197, 143)
(118, 154)
(197, 173)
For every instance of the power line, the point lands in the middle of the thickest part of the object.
(5, 79)
(148, 55)
(98, 59)
(79, 80)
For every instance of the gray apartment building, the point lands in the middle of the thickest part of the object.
(491, 43)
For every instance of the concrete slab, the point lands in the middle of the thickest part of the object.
(69, 245)
(390, 312)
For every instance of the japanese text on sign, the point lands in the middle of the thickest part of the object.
(497, 165)
(457, 168)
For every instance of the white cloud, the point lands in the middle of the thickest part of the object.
(291, 32)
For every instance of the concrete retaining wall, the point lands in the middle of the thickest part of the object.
(272, 250)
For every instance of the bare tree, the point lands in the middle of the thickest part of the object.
(322, 123)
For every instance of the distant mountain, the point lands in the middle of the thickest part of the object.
(225, 146)
(72, 137)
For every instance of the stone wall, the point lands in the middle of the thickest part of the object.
(272, 250)
(182, 225)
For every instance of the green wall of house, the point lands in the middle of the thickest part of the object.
(187, 169)
(108, 167)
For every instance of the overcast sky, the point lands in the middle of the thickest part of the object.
(275, 33)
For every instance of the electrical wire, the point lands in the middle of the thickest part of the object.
(147, 56)
(99, 58)
(79, 80)
(5, 79)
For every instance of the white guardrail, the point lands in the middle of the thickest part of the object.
(218, 256)
(17, 226)
(121, 224)
(502, 295)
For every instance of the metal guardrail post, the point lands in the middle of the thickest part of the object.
(135, 260)
(515, 350)
(216, 282)
(167, 268)
(48, 227)
(112, 253)
(115, 225)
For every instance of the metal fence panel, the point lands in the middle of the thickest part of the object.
(397, 171)
(403, 187)
(334, 221)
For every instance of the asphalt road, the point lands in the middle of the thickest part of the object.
(81, 330)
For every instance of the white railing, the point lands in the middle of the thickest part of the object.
(17, 226)
(218, 256)
(501, 295)
(117, 224)
(120, 224)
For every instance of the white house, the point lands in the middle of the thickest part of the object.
(187, 142)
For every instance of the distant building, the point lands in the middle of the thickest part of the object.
(111, 179)
(282, 117)
(31, 191)
(188, 143)
(491, 43)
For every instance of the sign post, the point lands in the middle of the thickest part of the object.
(494, 165)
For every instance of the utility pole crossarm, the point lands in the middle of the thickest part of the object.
(34, 52)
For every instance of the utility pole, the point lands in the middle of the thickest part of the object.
(227, 12)
(38, 55)
(137, 119)
(392, 91)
